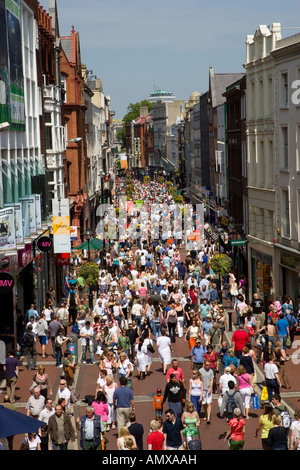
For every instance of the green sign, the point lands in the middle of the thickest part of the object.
(139, 203)
(238, 242)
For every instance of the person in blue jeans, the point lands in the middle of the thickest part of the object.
(283, 330)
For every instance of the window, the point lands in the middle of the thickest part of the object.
(284, 89)
(285, 148)
(63, 80)
(48, 131)
(285, 219)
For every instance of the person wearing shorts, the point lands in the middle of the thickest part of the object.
(208, 378)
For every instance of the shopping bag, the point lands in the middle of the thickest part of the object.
(255, 401)
(264, 394)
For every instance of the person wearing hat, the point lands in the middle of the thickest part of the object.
(197, 355)
(224, 379)
(158, 403)
(236, 431)
(205, 327)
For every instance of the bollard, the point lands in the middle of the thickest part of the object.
(229, 321)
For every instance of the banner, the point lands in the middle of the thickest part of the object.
(12, 106)
(18, 217)
(61, 225)
(38, 211)
(7, 228)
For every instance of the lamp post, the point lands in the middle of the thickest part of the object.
(88, 235)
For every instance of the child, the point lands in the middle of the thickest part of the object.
(157, 403)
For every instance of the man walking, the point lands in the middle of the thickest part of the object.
(123, 403)
(60, 430)
(91, 428)
(173, 431)
(11, 369)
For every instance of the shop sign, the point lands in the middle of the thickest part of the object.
(44, 243)
(7, 283)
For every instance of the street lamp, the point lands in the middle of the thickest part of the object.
(75, 140)
(88, 235)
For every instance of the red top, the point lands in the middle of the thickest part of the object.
(156, 439)
(212, 358)
(240, 338)
(237, 429)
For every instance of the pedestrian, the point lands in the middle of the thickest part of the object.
(91, 430)
(224, 380)
(294, 439)
(283, 330)
(35, 403)
(124, 434)
(60, 430)
(236, 431)
(277, 437)
(64, 392)
(87, 335)
(197, 355)
(239, 339)
(42, 379)
(191, 422)
(47, 411)
(141, 358)
(53, 328)
(11, 370)
(245, 387)
(212, 357)
(265, 423)
(155, 439)
(123, 400)
(29, 343)
(108, 389)
(208, 380)
(173, 431)
(175, 394)
(69, 368)
(158, 403)
(272, 380)
(42, 333)
(60, 340)
(163, 344)
(231, 399)
(101, 408)
(31, 442)
(136, 430)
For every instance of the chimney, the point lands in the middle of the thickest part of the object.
(143, 111)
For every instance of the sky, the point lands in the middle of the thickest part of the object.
(135, 46)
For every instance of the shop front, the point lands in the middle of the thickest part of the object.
(290, 275)
(262, 275)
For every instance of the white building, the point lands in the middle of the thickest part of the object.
(272, 64)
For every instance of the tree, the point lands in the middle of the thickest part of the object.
(133, 112)
(90, 273)
(220, 264)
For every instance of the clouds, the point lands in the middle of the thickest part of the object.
(133, 44)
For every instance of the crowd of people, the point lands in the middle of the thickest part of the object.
(152, 293)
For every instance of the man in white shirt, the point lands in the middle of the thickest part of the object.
(47, 411)
(64, 392)
(87, 336)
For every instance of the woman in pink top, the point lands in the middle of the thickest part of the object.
(101, 407)
(236, 431)
(143, 293)
(245, 387)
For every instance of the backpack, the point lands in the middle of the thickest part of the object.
(286, 420)
(231, 403)
(28, 340)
